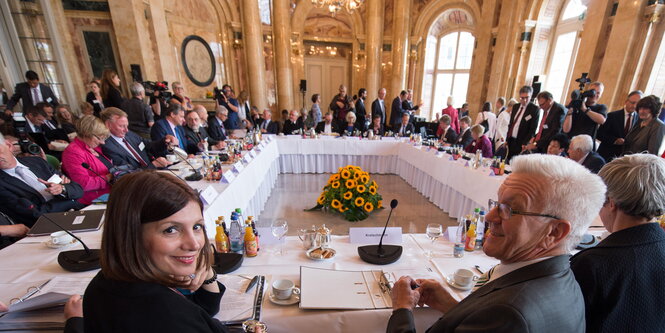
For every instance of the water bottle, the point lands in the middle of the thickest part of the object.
(235, 236)
(480, 230)
(458, 249)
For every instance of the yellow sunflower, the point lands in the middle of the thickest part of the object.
(369, 207)
(348, 195)
(336, 204)
(335, 184)
(321, 200)
(360, 188)
(350, 183)
(334, 177)
(379, 204)
(359, 202)
(372, 190)
(345, 174)
(344, 209)
(357, 175)
(364, 179)
(341, 209)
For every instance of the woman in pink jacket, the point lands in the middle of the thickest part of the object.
(84, 162)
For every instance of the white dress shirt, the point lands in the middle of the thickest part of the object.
(30, 179)
(36, 92)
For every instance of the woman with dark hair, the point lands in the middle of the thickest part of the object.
(156, 262)
(648, 134)
(66, 119)
(487, 119)
(94, 97)
(110, 89)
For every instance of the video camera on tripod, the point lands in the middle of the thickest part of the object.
(578, 95)
(160, 86)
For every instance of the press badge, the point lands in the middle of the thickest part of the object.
(141, 146)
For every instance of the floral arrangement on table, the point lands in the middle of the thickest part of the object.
(351, 192)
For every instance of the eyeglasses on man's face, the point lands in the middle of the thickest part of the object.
(506, 212)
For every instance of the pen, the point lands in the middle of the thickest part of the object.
(478, 269)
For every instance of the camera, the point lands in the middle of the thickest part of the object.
(160, 86)
(578, 95)
(219, 93)
(27, 146)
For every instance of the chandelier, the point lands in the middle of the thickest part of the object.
(335, 6)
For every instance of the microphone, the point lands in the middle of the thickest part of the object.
(87, 166)
(381, 254)
(77, 260)
(182, 155)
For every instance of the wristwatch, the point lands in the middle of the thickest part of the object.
(212, 279)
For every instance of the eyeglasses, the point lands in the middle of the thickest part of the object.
(506, 212)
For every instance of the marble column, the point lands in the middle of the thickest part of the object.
(165, 61)
(593, 41)
(400, 48)
(506, 39)
(622, 54)
(253, 45)
(482, 58)
(281, 29)
(373, 47)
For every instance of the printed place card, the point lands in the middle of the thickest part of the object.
(209, 194)
(228, 177)
(373, 235)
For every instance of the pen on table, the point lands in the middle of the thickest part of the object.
(252, 283)
(478, 269)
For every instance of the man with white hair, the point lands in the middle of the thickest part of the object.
(216, 127)
(543, 208)
(139, 114)
(203, 114)
(581, 151)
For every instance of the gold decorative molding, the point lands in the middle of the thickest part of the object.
(654, 13)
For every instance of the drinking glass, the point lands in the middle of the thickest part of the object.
(279, 228)
(433, 232)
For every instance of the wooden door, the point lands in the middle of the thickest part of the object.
(324, 75)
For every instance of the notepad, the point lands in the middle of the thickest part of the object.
(236, 305)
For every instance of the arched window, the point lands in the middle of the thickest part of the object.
(447, 65)
(564, 49)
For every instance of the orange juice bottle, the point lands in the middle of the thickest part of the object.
(251, 245)
(470, 243)
(221, 240)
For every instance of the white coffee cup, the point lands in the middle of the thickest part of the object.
(61, 237)
(283, 289)
(464, 277)
(171, 158)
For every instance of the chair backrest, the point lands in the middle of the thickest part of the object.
(53, 161)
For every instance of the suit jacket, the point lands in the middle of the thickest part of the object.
(593, 162)
(376, 110)
(22, 92)
(410, 129)
(450, 136)
(193, 139)
(114, 98)
(465, 138)
(289, 126)
(396, 112)
(272, 127)
(361, 113)
(610, 131)
(216, 130)
(145, 148)
(649, 138)
(552, 126)
(528, 125)
(25, 205)
(161, 128)
(621, 279)
(378, 132)
(320, 127)
(541, 297)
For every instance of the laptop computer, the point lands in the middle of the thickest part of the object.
(76, 221)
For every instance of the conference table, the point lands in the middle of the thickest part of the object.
(451, 185)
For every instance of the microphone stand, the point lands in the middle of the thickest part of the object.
(381, 254)
(182, 155)
(87, 167)
(77, 260)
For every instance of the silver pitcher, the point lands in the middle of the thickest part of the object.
(323, 237)
(308, 237)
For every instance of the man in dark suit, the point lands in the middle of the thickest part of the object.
(25, 190)
(196, 135)
(327, 126)
(533, 288)
(379, 106)
(405, 128)
(396, 111)
(613, 132)
(362, 118)
(581, 151)
(550, 124)
(170, 124)
(621, 277)
(216, 127)
(464, 138)
(266, 124)
(523, 123)
(448, 135)
(128, 148)
(407, 104)
(31, 93)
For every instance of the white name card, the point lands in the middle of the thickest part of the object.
(252, 153)
(267, 238)
(247, 158)
(228, 177)
(373, 235)
(237, 167)
(209, 194)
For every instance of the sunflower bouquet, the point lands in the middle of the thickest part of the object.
(351, 192)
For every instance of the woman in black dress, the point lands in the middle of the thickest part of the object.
(110, 92)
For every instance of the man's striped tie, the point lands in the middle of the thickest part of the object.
(483, 279)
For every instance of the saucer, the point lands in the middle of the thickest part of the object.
(294, 299)
(49, 244)
(452, 283)
(318, 255)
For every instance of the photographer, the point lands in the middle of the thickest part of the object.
(586, 118)
(159, 97)
(225, 98)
